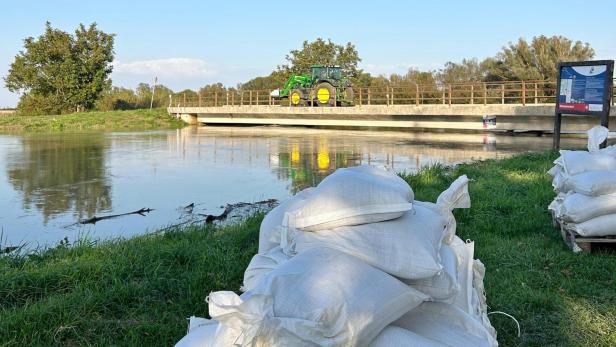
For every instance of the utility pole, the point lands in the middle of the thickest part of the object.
(153, 89)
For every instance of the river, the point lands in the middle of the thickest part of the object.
(48, 182)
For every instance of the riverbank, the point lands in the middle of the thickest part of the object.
(109, 120)
(140, 291)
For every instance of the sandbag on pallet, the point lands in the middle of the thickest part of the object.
(591, 183)
(352, 196)
(599, 226)
(578, 208)
(321, 297)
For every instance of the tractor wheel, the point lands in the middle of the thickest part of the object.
(297, 97)
(325, 94)
(348, 95)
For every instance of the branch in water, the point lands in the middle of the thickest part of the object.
(95, 219)
(209, 218)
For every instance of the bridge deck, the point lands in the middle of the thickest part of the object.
(509, 117)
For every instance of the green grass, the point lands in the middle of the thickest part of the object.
(139, 291)
(108, 120)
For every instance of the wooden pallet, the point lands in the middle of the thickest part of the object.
(579, 243)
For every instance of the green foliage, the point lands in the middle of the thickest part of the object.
(537, 60)
(118, 98)
(143, 119)
(59, 72)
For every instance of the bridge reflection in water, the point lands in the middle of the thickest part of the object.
(306, 156)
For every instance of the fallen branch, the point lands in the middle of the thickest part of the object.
(210, 218)
(95, 219)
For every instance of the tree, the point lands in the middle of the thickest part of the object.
(325, 53)
(466, 70)
(537, 60)
(60, 72)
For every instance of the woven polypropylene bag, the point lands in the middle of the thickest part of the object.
(352, 196)
(405, 247)
(444, 285)
(321, 297)
(393, 336)
(269, 233)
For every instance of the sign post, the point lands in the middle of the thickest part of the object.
(584, 88)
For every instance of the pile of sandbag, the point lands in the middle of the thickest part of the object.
(356, 261)
(585, 183)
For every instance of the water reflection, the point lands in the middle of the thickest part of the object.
(61, 173)
(50, 181)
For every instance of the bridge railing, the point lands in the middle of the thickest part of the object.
(481, 93)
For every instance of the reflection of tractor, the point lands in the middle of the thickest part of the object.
(325, 86)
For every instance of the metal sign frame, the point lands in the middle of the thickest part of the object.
(607, 96)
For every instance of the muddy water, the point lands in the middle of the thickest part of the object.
(50, 181)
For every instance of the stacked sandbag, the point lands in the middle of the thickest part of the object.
(585, 183)
(355, 261)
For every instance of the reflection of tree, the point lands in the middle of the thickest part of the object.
(308, 161)
(59, 174)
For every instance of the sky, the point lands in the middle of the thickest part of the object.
(188, 44)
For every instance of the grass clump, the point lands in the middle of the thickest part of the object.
(140, 291)
(143, 119)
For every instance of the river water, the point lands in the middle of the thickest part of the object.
(48, 182)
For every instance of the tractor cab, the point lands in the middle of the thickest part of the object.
(322, 72)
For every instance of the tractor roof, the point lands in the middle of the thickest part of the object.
(321, 65)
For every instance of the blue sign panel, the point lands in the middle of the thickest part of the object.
(582, 88)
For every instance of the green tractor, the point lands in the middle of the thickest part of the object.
(325, 86)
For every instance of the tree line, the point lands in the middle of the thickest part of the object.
(60, 72)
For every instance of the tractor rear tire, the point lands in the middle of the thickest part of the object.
(296, 96)
(348, 95)
(325, 94)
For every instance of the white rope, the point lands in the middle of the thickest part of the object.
(510, 316)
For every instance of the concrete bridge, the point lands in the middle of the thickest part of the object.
(454, 117)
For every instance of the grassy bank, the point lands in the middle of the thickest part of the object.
(109, 120)
(140, 291)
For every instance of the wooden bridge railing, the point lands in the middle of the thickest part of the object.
(483, 93)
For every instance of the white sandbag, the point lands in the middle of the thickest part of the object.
(599, 226)
(406, 247)
(578, 208)
(456, 196)
(576, 162)
(201, 333)
(596, 136)
(269, 233)
(444, 285)
(393, 336)
(321, 297)
(447, 324)
(262, 264)
(592, 183)
(352, 196)
(480, 300)
(555, 170)
(464, 253)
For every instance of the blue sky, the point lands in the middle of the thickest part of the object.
(192, 43)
